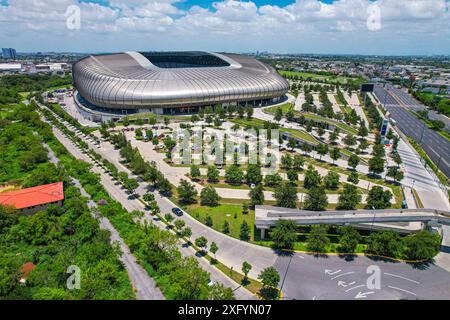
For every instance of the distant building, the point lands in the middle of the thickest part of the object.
(9, 53)
(32, 200)
(10, 67)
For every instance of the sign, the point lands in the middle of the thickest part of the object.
(367, 87)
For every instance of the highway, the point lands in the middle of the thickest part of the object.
(435, 145)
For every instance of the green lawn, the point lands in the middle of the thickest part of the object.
(314, 76)
(260, 124)
(302, 246)
(224, 212)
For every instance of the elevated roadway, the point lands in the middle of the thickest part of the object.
(267, 216)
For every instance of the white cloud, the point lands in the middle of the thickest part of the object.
(241, 25)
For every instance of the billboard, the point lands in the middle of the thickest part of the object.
(367, 87)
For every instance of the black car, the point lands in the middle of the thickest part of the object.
(177, 211)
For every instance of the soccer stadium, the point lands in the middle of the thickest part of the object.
(171, 83)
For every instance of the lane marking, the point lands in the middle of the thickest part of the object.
(362, 285)
(395, 288)
(404, 278)
(329, 272)
(343, 274)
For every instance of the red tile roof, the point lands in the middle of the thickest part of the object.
(25, 198)
(27, 268)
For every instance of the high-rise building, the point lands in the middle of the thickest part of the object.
(9, 53)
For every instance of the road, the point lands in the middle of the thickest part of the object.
(310, 277)
(436, 146)
(144, 286)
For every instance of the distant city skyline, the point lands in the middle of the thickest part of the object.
(382, 27)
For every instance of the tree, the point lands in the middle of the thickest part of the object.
(395, 174)
(384, 243)
(284, 234)
(333, 137)
(249, 112)
(186, 192)
(298, 162)
(234, 174)
(363, 145)
(213, 174)
(353, 161)
(273, 180)
(169, 218)
(179, 224)
(286, 161)
(213, 248)
(376, 165)
(362, 131)
(278, 114)
(312, 178)
(378, 198)
(292, 176)
(226, 227)
(306, 147)
(353, 177)
(422, 245)
(349, 198)
(202, 243)
(269, 277)
(349, 140)
(209, 197)
(195, 172)
(286, 195)
(396, 157)
(257, 195)
(125, 121)
(335, 154)
(254, 175)
(131, 185)
(209, 221)
(292, 143)
(322, 149)
(331, 180)
(317, 240)
(316, 199)
(246, 267)
(219, 292)
(148, 197)
(164, 187)
(186, 232)
(244, 233)
(349, 239)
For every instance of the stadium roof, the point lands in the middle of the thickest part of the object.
(35, 196)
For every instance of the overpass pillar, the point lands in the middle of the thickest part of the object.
(263, 233)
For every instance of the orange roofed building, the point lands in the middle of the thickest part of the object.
(34, 199)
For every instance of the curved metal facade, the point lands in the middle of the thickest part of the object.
(131, 81)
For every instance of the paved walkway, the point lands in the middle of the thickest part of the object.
(353, 102)
(144, 286)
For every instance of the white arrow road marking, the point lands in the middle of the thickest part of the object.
(395, 288)
(344, 284)
(397, 276)
(362, 285)
(361, 295)
(301, 257)
(342, 274)
(331, 273)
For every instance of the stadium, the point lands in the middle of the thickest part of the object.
(111, 86)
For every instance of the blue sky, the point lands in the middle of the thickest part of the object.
(285, 26)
